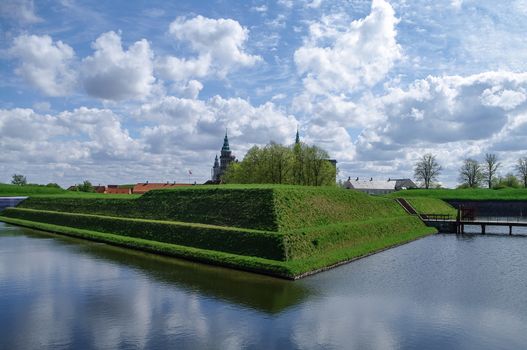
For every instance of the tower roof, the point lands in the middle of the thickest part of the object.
(226, 142)
(297, 138)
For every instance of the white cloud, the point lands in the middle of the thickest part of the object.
(451, 116)
(19, 10)
(314, 4)
(190, 90)
(219, 44)
(82, 134)
(261, 8)
(115, 74)
(187, 124)
(342, 59)
(44, 64)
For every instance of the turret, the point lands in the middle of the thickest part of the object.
(297, 138)
(225, 143)
(216, 162)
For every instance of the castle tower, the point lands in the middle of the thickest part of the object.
(297, 138)
(226, 158)
(215, 173)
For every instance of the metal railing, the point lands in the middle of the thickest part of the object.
(437, 217)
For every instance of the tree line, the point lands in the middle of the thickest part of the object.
(473, 174)
(298, 164)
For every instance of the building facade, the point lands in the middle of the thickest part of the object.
(226, 158)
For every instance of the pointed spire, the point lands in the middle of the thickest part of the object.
(297, 138)
(225, 142)
(216, 163)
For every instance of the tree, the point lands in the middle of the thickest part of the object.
(86, 186)
(19, 179)
(490, 168)
(298, 164)
(470, 173)
(521, 168)
(427, 169)
(54, 185)
(508, 181)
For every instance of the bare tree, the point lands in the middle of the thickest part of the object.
(521, 168)
(471, 173)
(427, 169)
(490, 167)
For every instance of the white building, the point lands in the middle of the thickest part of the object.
(371, 186)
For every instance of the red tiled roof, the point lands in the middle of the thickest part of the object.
(114, 190)
(99, 189)
(141, 188)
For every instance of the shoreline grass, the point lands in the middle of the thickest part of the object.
(291, 270)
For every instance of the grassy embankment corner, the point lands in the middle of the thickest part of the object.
(284, 231)
(433, 201)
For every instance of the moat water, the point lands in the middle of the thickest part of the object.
(440, 292)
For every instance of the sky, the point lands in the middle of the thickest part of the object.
(132, 91)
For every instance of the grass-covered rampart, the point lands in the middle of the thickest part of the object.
(472, 194)
(290, 229)
(430, 205)
(264, 207)
(8, 190)
(262, 244)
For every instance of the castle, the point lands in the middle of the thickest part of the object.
(226, 158)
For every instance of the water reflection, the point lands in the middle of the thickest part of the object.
(444, 291)
(262, 293)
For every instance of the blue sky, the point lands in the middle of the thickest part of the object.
(121, 91)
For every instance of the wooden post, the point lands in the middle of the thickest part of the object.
(482, 229)
(510, 230)
(458, 219)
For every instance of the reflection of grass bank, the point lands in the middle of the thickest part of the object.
(285, 231)
(255, 291)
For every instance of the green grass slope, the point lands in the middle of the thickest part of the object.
(286, 231)
(40, 191)
(7, 190)
(466, 194)
(264, 207)
(430, 205)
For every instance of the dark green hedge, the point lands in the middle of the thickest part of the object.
(269, 208)
(248, 208)
(266, 245)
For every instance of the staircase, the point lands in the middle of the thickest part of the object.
(407, 206)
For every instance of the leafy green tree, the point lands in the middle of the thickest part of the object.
(298, 164)
(508, 181)
(521, 168)
(19, 179)
(54, 185)
(86, 186)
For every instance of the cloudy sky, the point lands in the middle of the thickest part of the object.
(122, 92)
